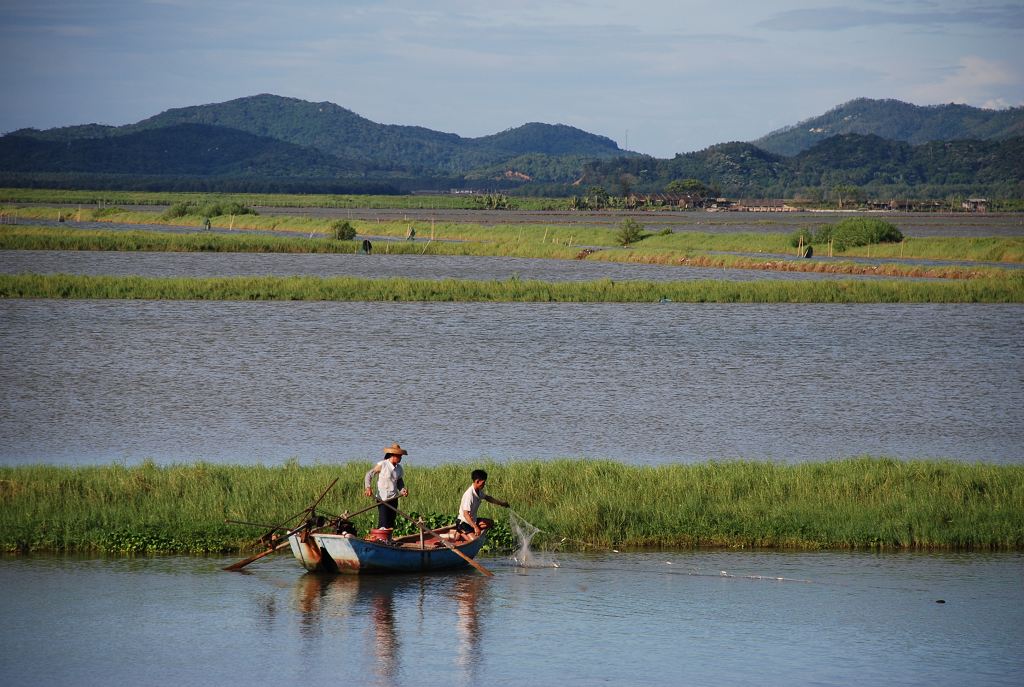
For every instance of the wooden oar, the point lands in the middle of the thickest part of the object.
(451, 548)
(241, 564)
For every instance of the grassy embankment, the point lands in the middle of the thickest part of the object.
(862, 503)
(1009, 290)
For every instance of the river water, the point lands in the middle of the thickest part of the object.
(656, 618)
(87, 382)
(260, 382)
(379, 266)
(913, 224)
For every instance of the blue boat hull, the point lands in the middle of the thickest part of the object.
(347, 554)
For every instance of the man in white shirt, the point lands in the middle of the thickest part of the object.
(390, 485)
(467, 521)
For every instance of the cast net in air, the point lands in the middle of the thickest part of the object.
(524, 532)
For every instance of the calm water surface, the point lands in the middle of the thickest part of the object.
(910, 223)
(717, 618)
(94, 381)
(164, 264)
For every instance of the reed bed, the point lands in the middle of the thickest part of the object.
(858, 503)
(1009, 290)
(52, 238)
(982, 249)
(648, 256)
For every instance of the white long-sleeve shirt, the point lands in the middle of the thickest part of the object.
(390, 479)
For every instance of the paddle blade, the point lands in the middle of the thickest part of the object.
(469, 560)
(252, 559)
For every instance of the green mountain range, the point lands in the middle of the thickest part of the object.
(267, 142)
(359, 143)
(881, 168)
(897, 121)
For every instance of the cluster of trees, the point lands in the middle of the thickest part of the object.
(493, 201)
(849, 233)
(211, 209)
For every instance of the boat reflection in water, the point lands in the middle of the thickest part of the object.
(396, 624)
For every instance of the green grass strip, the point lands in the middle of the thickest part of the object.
(1010, 290)
(857, 503)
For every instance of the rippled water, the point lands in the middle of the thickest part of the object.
(94, 381)
(721, 618)
(371, 266)
(910, 223)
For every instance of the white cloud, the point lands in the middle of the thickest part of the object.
(1000, 104)
(974, 81)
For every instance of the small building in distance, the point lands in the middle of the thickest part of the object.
(761, 205)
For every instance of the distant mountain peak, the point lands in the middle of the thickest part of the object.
(896, 120)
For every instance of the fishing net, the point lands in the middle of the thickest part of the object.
(524, 555)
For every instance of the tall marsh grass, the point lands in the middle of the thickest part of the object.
(1010, 290)
(857, 503)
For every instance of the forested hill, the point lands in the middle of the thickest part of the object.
(334, 130)
(879, 167)
(180, 149)
(897, 121)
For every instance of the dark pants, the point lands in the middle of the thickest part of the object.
(386, 516)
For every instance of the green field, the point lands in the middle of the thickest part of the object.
(862, 503)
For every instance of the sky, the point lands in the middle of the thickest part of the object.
(657, 76)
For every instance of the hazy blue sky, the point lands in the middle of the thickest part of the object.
(659, 76)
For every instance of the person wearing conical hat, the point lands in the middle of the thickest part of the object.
(390, 485)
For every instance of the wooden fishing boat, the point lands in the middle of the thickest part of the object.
(330, 544)
(416, 553)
